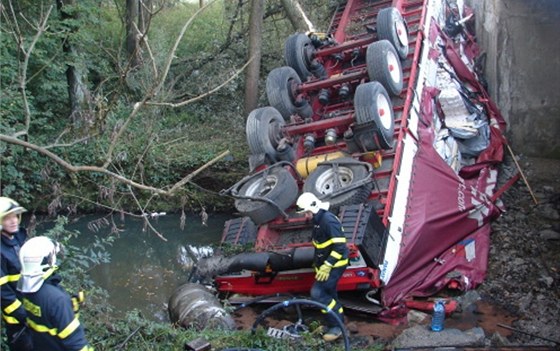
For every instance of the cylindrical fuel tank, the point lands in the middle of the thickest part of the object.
(193, 305)
(305, 166)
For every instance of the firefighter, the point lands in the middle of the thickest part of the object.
(330, 260)
(13, 237)
(50, 310)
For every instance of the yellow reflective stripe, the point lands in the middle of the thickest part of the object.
(75, 304)
(10, 319)
(9, 278)
(341, 263)
(87, 348)
(41, 328)
(49, 272)
(69, 329)
(341, 310)
(330, 306)
(12, 307)
(53, 331)
(81, 296)
(336, 255)
(338, 240)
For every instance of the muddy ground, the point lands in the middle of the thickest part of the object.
(518, 304)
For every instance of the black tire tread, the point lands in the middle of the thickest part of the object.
(376, 60)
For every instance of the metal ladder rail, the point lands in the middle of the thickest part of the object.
(410, 10)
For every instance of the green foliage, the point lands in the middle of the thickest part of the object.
(160, 145)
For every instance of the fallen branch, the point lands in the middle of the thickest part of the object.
(526, 333)
(522, 174)
(75, 169)
(128, 337)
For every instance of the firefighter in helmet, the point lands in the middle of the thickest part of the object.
(51, 312)
(13, 237)
(330, 260)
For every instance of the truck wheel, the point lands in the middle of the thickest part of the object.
(326, 180)
(277, 185)
(391, 26)
(264, 131)
(298, 53)
(384, 66)
(239, 231)
(281, 85)
(373, 106)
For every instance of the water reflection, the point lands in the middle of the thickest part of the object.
(145, 270)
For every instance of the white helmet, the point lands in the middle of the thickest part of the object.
(310, 202)
(37, 256)
(9, 206)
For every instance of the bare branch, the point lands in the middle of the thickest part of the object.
(41, 28)
(146, 221)
(196, 98)
(193, 174)
(153, 91)
(171, 55)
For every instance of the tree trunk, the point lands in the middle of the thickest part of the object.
(296, 16)
(255, 40)
(132, 36)
(78, 92)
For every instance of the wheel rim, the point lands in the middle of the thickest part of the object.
(274, 133)
(307, 54)
(291, 86)
(393, 66)
(262, 187)
(332, 180)
(400, 29)
(384, 111)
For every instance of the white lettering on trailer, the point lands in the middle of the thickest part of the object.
(461, 195)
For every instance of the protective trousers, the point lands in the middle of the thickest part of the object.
(325, 293)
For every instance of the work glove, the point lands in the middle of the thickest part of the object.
(323, 272)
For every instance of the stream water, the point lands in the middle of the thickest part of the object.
(144, 269)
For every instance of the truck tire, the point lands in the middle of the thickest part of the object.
(298, 53)
(239, 231)
(264, 131)
(373, 106)
(391, 26)
(384, 66)
(326, 179)
(281, 85)
(277, 185)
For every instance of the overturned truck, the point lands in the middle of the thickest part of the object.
(385, 116)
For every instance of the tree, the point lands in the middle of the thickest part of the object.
(255, 43)
(78, 91)
(132, 32)
(18, 135)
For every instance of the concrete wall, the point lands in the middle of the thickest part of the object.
(522, 42)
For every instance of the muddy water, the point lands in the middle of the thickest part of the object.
(144, 269)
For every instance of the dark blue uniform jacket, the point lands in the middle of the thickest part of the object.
(12, 309)
(329, 240)
(51, 317)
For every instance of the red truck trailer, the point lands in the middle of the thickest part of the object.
(385, 116)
